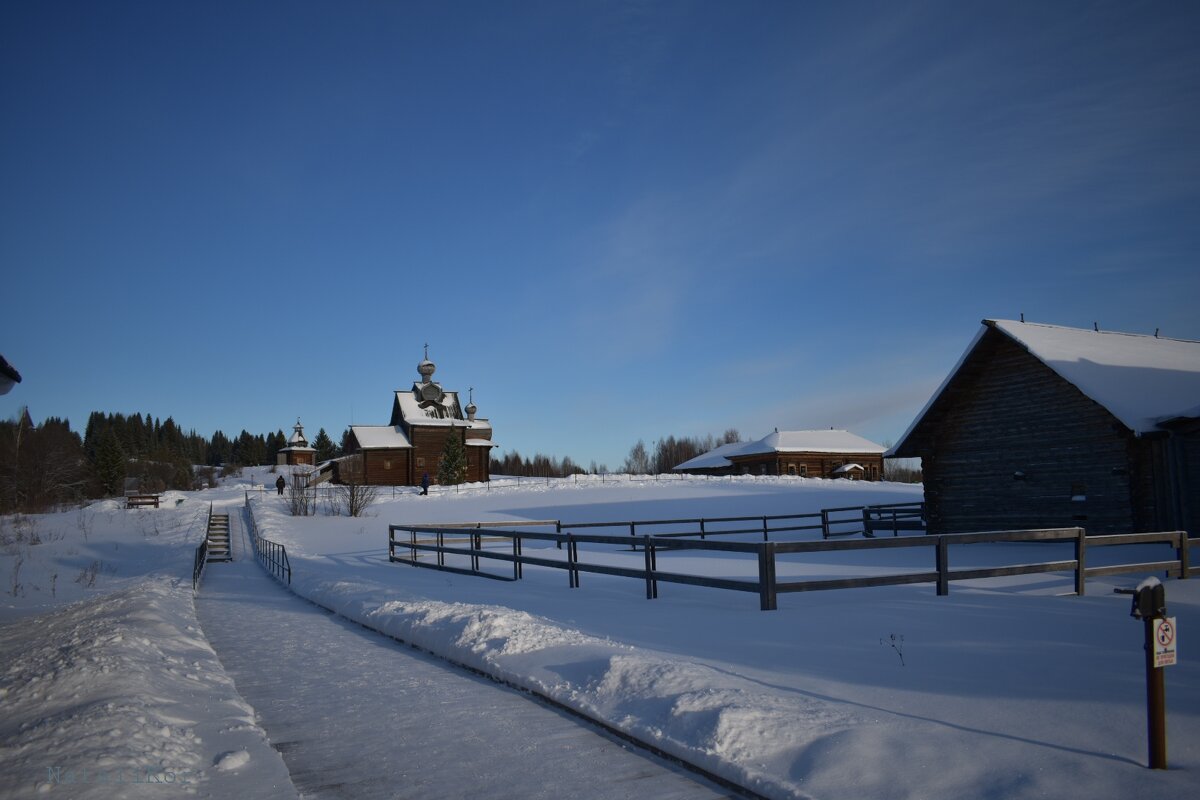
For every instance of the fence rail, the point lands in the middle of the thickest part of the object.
(466, 540)
(272, 555)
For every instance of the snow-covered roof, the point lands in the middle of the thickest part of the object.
(831, 441)
(414, 414)
(844, 468)
(380, 437)
(713, 459)
(480, 443)
(1141, 380)
(823, 441)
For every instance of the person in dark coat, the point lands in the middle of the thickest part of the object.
(425, 483)
(280, 483)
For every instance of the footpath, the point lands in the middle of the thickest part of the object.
(356, 714)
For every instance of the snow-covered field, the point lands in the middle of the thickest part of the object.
(1006, 688)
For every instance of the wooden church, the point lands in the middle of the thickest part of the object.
(410, 446)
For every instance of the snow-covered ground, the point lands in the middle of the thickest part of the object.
(1006, 688)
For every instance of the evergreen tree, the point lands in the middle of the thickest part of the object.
(452, 469)
(324, 446)
(110, 463)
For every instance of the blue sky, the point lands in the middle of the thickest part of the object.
(614, 220)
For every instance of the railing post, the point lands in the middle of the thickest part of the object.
(766, 577)
(701, 529)
(824, 524)
(764, 529)
(943, 566)
(1182, 553)
(1080, 561)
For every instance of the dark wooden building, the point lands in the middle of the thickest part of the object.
(297, 450)
(411, 444)
(812, 454)
(1044, 426)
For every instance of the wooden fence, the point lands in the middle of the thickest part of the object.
(467, 540)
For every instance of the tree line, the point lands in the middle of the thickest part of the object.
(48, 464)
(661, 456)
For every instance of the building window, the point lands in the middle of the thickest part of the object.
(803, 470)
(420, 463)
(762, 469)
(387, 463)
(791, 469)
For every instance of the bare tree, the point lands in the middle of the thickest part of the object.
(357, 497)
(302, 501)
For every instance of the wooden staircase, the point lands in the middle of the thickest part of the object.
(218, 538)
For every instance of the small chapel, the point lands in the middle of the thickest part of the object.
(410, 446)
(297, 451)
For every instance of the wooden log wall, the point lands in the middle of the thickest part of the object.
(1008, 413)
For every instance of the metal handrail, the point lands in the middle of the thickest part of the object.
(272, 555)
(201, 553)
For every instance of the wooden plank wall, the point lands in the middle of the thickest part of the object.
(1007, 412)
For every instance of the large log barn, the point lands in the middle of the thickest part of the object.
(410, 446)
(1043, 426)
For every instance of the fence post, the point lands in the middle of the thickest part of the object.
(766, 577)
(1181, 552)
(1080, 561)
(702, 529)
(651, 583)
(943, 566)
(572, 576)
(824, 524)
(765, 529)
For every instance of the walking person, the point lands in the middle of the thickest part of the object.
(425, 484)
(279, 484)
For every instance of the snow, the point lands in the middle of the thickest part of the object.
(372, 437)
(714, 459)
(830, 441)
(282, 652)
(1008, 688)
(1143, 381)
(1139, 379)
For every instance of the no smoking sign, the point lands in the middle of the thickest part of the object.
(1165, 639)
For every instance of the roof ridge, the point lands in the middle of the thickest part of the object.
(991, 324)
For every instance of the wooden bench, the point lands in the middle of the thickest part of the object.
(138, 500)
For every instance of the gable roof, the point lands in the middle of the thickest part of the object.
(380, 437)
(829, 441)
(713, 459)
(1141, 380)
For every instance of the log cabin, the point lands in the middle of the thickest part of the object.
(1045, 426)
(410, 446)
(811, 454)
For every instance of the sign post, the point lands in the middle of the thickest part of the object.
(1150, 606)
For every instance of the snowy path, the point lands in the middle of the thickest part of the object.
(355, 714)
